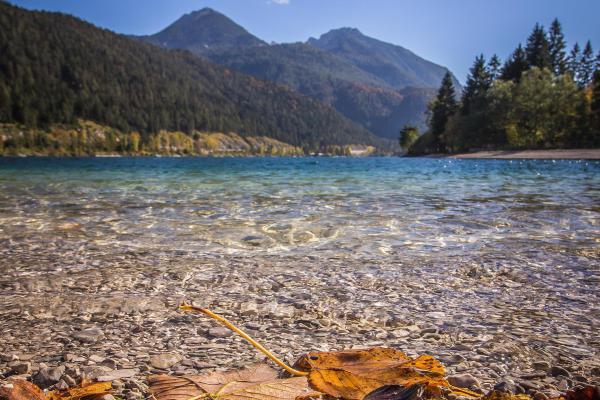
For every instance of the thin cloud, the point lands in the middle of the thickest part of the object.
(280, 2)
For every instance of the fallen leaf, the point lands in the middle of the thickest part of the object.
(353, 374)
(257, 382)
(585, 393)
(85, 392)
(19, 389)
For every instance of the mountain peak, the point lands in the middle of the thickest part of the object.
(203, 12)
(344, 31)
(397, 66)
(202, 31)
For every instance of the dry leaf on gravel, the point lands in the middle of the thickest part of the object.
(21, 390)
(353, 374)
(87, 392)
(256, 382)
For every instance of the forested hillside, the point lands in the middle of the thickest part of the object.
(56, 68)
(366, 95)
(396, 66)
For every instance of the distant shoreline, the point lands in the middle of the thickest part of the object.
(557, 154)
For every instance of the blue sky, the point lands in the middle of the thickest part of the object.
(447, 32)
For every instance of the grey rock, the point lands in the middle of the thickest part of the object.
(91, 335)
(69, 380)
(529, 385)
(540, 365)
(47, 377)
(118, 374)
(165, 360)
(559, 371)
(93, 372)
(463, 380)
(61, 385)
(219, 332)
(96, 358)
(452, 359)
(21, 367)
(506, 387)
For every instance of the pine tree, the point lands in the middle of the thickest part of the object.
(585, 70)
(442, 108)
(595, 114)
(536, 50)
(556, 48)
(573, 61)
(515, 65)
(494, 67)
(479, 82)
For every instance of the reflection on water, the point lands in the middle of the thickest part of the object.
(326, 207)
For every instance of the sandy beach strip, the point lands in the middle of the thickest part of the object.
(570, 154)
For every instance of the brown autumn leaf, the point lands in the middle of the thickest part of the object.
(585, 393)
(353, 374)
(87, 392)
(21, 390)
(256, 382)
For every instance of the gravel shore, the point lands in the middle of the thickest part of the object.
(113, 316)
(566, 154)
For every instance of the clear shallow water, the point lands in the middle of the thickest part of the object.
(375, 208)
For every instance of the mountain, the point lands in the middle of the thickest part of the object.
(395, 65)
(203, 31)
(372, 100)
(57, 69)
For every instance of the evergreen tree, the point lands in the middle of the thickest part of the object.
(556, 48)
(408, 135)
(537, 48)
(479, 81)
(574, 60)
(586, 65)
(494, 67)
(442, 108)
(595, 114)
(515, 66)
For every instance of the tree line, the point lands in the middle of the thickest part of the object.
(57, 69)
(542, 96)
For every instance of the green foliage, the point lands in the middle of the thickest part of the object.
(86, 138)
(56, 69)
(515, 65)
(408, 136)
(442, 108)
(376, 84)
(479, 81)
(556, 48)
(585, 71)
(540, 100)
(494, 67)
(537, 48)
(595, 106)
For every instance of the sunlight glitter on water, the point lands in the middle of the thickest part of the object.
(330, 207)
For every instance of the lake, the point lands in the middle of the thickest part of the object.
(326, 207)
(487, 265)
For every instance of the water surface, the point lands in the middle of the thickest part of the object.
(329, 207)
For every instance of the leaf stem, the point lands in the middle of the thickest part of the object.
(188, 307)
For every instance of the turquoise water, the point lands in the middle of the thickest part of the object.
(375, 208)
